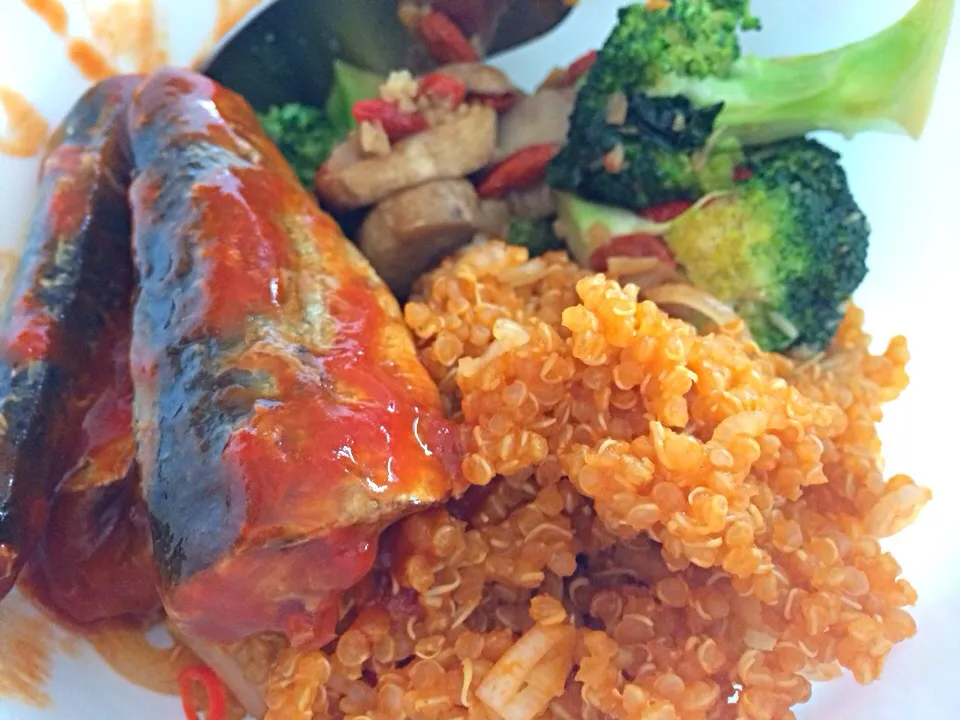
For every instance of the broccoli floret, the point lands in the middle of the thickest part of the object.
(689, 53)
(883, 83)
(535, 235)
(786, 248)
(667, 147)
(306, 134)
(689, 38)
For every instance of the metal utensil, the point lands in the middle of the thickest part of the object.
(286, 52)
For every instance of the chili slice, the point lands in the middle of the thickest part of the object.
(212, 686)
(524, 168)
(443, 88)
(396, 123)
(446, 42)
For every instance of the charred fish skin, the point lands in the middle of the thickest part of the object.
(75, 273)
(283, 417)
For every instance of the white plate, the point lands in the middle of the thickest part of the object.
(911, 193)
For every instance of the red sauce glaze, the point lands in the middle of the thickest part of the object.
(346, 435)
(233, 287)
(299, 473)
(94, 562)
(31, 333)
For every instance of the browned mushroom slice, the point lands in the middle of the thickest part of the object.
(411, 231)
(479, 78)
(533, 203)
(537, 119)
(460, 146)
(494, 217)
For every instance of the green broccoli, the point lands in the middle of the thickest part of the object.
(785, 248)
(668, 147)
(686, 59)
(306, 134)
(535, 235)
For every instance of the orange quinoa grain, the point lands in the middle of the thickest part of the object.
(703, 516)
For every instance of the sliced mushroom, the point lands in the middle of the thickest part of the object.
(480, 78)
(533, 203)
(460, 146)
(411, 231)
(494, 217)
(540, 118)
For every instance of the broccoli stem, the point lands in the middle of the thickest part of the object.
(883, 83)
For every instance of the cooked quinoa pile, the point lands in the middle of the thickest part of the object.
(660, 524)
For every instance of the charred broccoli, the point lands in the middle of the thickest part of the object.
(785, 248)
(672, 96)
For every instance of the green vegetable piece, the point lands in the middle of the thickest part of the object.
(883, 83)
(535, 235)
(786, 248)
(586, 226)
(686, 59)
(350, 84)
(305, 134)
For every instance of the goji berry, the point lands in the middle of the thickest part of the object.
(632, 245)
(501, 102)
(524, 168)
(443, 88)
(396, 123)
(579, 67)
(446, 42)
(665, 212)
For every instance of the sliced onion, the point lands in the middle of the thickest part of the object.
(645, 272)
(688, 296)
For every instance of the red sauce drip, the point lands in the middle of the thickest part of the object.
(26, 128)
(91, 63)
(52, 12)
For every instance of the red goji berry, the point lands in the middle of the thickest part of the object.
(524, 168)
(632, 245)
(501, 102)
(396, 123)
(443, 88)
(446, 42)
(742, 173)
(579, 67)
(665, 212)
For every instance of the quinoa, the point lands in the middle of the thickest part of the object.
(661, 524)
